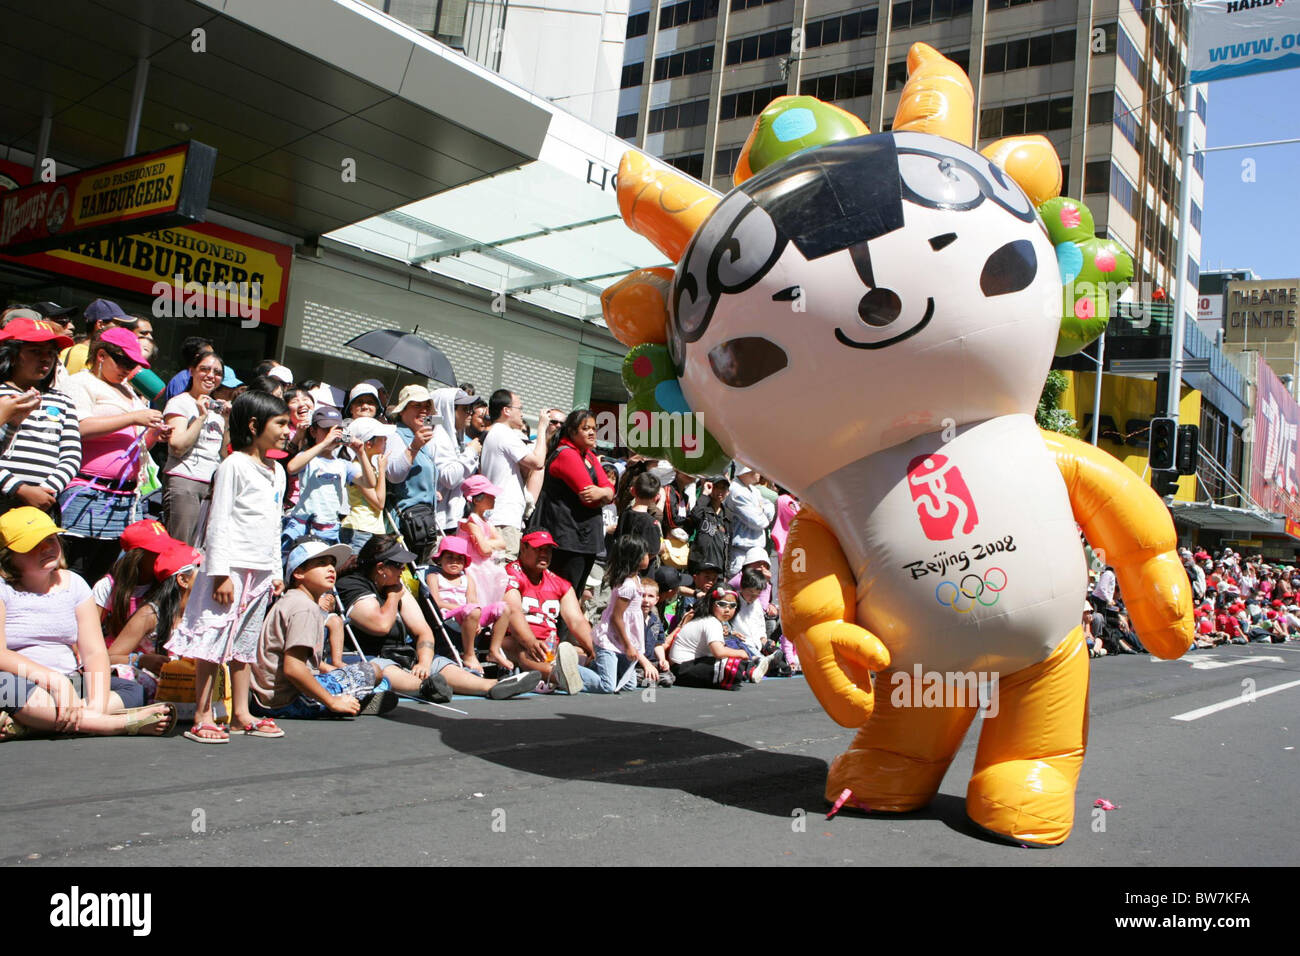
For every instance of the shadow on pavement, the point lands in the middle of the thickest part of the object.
(628, 753)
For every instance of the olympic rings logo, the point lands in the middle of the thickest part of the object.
(972, 590)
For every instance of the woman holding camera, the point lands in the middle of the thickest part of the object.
(198, 423)
(117, 430)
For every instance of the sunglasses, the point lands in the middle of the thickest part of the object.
(123, 362)
(725, 604)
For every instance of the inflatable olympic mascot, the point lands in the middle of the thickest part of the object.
(869, 320)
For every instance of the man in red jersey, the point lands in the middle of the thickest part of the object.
(536, 600)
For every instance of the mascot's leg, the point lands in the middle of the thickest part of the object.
(900, 756)
(1031, 752)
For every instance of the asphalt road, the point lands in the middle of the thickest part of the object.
(690, 777)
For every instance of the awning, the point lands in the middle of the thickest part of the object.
(548, 233)
(323, 112)
(1212, 517)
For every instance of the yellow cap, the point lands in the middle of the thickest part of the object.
(22, 529)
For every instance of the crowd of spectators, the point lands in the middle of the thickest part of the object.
(318, 551)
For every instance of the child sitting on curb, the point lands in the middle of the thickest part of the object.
(286, 677)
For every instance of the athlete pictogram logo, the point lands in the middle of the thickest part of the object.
(972, 590)
(943, 502)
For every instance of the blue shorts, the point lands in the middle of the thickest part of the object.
(357, 680)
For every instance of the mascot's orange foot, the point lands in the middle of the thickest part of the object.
(882, 781)
(1028, 801)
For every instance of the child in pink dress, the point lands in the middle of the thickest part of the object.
(456, 595)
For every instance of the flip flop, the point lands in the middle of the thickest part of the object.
(257, 729)
(139, 721)
(193, 734)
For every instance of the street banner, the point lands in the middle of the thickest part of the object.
(1273, 480)
(1240, 37)
(167, 187)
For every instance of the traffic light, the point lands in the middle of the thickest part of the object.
(1189, 449)
(1163, 445)
(1165, 483)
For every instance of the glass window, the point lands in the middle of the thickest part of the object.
(782, 42)
(812, 34)
(638, 25)
(1017, 54)
(896, 76)
(920, 12)
(991, 123)
(961, 8)
(862, 81)
(1063, 46)
(727, 108)
(1013, 119)
(902, 15)
(706, 59)
(632, 74)
(870, 20)
(942, 11)
(1040, 50)
(826, 87)
(748, 49)
(733, 52)
(745, 103)
(831, 31)
(995, 58)
(766, 45)
(850, 26)
(1101, 107)
(1062, 113)
(1096, 176)
(1036, 114)
(999, 4)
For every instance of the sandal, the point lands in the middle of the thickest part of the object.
(195, 734)
(264, 727)
(10, 729)
(138, 720)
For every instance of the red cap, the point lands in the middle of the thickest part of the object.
(148, 534)
(35, 330)
(538, 539)
(175, 559)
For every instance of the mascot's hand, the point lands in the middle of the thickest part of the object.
(1158, 598)
(838, 659)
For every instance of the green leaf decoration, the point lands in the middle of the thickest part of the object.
(660, 424)
(1092, 272)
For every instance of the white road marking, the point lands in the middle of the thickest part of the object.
(1208, 664)
(1240, 699)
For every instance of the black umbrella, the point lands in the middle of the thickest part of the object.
(406, 350)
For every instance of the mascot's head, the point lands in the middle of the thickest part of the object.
(853, 295)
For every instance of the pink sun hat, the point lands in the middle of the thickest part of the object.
(476, 485)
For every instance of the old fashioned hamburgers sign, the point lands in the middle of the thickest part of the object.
(152, 190)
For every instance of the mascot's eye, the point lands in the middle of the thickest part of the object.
(788, 294)
(1009, 269)
(939, 242)
(939, 181)
(1008, 195)
(734, 248)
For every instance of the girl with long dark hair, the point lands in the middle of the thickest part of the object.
(620, 635)
(241, 569)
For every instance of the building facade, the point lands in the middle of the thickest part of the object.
(1101, 79)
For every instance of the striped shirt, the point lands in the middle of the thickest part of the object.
(44, 448)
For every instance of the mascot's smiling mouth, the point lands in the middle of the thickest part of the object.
(854, 344)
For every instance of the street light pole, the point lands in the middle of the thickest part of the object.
(1184, 215)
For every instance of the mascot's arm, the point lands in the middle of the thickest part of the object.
(1122, 516)
(818, 595)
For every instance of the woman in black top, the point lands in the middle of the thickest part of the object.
(574, 492)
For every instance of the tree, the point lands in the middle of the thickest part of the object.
(1049, 414)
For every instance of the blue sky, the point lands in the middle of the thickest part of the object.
(1253, 224)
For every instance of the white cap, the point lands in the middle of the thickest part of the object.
(283, 373)
(362, 389)
(742, 469)
(322, 395)
(365, 429)
(756, 554)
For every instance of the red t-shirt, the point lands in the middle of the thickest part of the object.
(541, 601)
